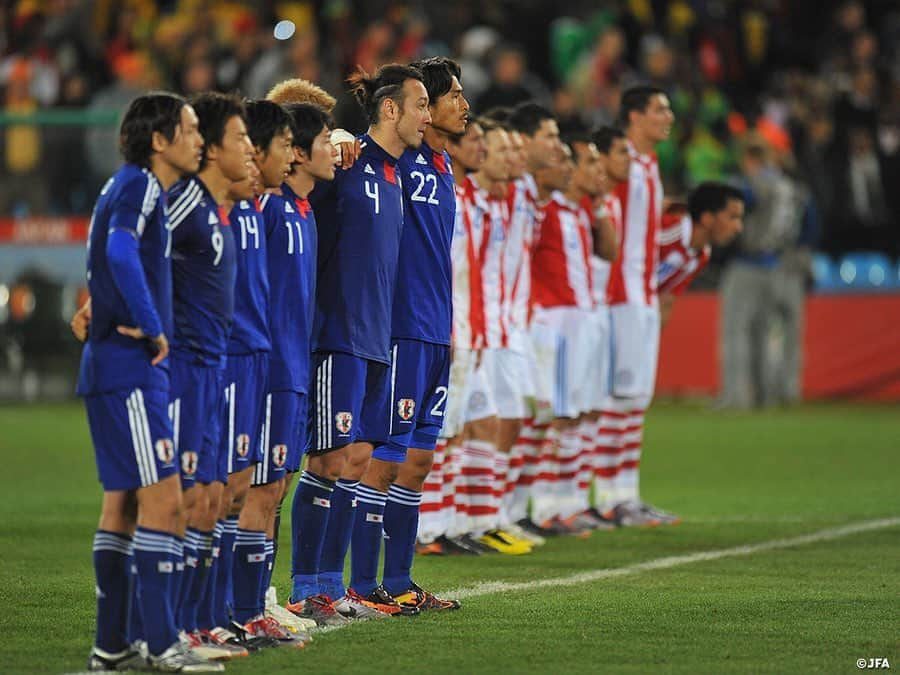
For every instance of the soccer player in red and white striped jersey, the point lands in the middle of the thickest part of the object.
(646, 117)
(713, 216)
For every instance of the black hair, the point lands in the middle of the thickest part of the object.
(215, 110)
(265, 120)
(488, 125)
(636, 99)
(499, 113)
(307, 122)
(158, 111)
(526, 117)
(604, 137)
(437, 75)
(711, 197)
(387, 82)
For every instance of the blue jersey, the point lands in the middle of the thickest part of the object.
(250, 330)
(292, 243)
(203, 271)
(130, 201)
(423, 297)
(360, 221)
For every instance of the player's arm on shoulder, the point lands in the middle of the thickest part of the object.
(666, 305)
(81, 320)
(606, 239)
(348, 145)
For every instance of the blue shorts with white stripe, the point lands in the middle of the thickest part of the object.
(132, 436)
(349, 402)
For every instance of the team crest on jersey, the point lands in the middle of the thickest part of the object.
(165, 450)
(344, 422)
(279, 455)
(242, 445)
(406, 408)
(189, 462)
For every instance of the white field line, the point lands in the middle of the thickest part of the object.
(491, 587)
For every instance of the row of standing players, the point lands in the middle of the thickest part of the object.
(566, 261)
(309, 310)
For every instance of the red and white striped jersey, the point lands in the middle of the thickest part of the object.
(466, 254)
(612, 209)
(561, 258)
(632, 278)
(522, 203)
(493, 279)
(678, 262)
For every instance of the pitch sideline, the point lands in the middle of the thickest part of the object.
(829, 534)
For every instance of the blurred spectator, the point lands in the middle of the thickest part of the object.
(762, 288)
(511, 82)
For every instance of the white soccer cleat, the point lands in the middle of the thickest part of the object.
(289, 620)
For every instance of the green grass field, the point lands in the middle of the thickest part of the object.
(738, 479)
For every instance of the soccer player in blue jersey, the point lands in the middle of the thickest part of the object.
(124, 379)
(242, 511)
(391, 489)
(360, 221)
(204, 268)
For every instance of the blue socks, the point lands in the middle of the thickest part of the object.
(337, 538)
(197, 559)
(156, 554)
(401, 521)
(112, 570)
(367, 533)
(249, 570)
(206, 617)
(223, 596)
(310, 512)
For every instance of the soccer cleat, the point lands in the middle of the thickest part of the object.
(236, 634)
(664, 517)
(381, 600)
(501, 543)
(418, 597)
(579, 527)
(520, 532)
(529, 525)
(591, 520)
(289, 620)
(630, 514)
(268, 627)
(470, 540)
(180, 659)
(224, 639)
(211, 651)
(432, 548)
(353, 606)
(458, 546)
(602, 517)
(129, 659)
(319, 608)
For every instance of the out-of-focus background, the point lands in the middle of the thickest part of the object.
(798, 102)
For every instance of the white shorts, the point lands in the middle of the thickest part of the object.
(508, 373)
(600, 356)
(469, 396)
(519, 342)
(635, 350)
(566, 337)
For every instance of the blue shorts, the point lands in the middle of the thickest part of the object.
(244, 394)
(283, 435)
(132, 437)
(194, 410)
(419, 379)
(349, 402)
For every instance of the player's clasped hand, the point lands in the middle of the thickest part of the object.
(160, 342)
(81, 321)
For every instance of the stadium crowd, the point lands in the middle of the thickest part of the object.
(820, 84)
